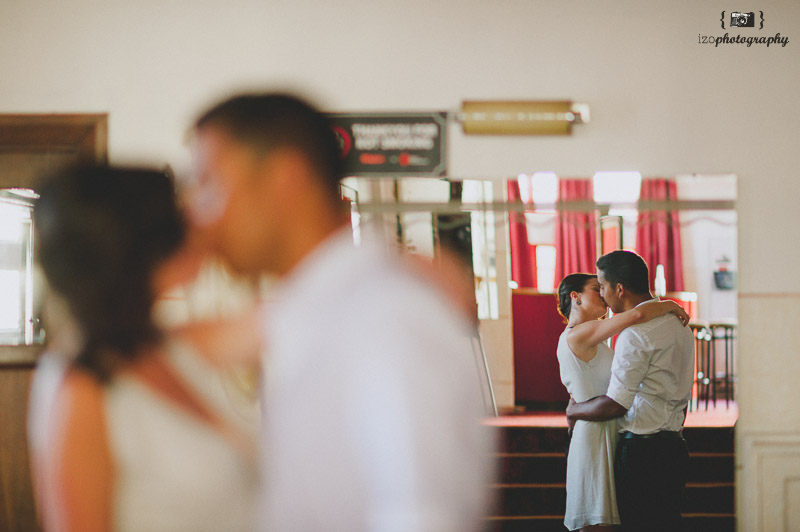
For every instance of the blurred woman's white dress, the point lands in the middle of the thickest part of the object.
(173, 472)
(591, 497)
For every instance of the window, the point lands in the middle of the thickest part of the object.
(616, 194)
(17, 322)
(545, 268)
(544, 190)
(484, 249)
(617, 187)
(541, 189)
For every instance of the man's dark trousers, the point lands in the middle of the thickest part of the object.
(650, 475)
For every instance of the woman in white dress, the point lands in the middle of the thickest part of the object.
(122, 435)
(585, 365)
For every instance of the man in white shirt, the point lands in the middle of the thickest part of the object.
(372, 398)
(650, 388)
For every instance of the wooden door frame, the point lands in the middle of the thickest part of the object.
(38, 132)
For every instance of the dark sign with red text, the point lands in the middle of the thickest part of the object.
(394, 144)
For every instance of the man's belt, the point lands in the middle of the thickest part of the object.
(661, 435)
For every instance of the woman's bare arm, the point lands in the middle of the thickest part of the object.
(74, 470)
(585, 336)
(225, 342)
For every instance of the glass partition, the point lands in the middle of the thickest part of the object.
(698, 212)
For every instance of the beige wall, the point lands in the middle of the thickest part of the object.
(661, 103)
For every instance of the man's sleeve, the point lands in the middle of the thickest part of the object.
(631, 360)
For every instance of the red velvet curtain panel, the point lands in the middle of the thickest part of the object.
(576, 233)
(523, 255)
(658, 234)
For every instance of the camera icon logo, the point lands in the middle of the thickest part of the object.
(742, 20)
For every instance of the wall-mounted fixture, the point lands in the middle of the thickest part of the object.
(521, 117)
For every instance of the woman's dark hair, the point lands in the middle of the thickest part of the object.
(101, 232)
(626, 268)
(574, 282)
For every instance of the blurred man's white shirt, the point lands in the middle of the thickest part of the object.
(372, 401)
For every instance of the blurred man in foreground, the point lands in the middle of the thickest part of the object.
(371, 395)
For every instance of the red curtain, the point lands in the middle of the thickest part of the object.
(523, 255)
(658, 234)
(576, 237)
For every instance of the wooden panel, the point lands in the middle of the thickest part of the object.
(85, 133)
(17, 512)
(770, 476)
(23, 168)
(15, 355)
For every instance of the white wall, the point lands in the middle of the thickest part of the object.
(661, 102)
(707, 237)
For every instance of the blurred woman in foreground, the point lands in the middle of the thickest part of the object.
(121, 437)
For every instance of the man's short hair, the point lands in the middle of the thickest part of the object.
(266, 122)
(626, 268)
